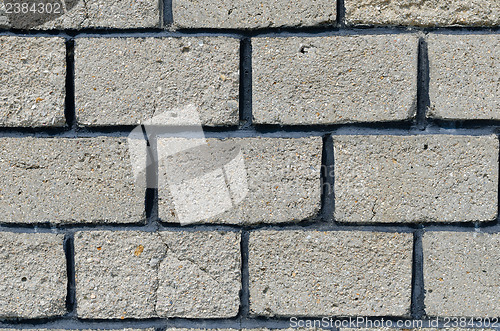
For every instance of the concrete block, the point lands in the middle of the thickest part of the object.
(426, 178)
(32, 81)
(32, 275)
(423, 12)
(167, 274)
(80, 14)
(252, 14)
(239, 180)
(66, 180)
(464, 72)
(335, 79)
(461, 274)
(126, 81)
(312, 273)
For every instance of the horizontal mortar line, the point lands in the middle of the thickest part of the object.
(234, 323)
(267, 131)
(490, 227)
(241, 33)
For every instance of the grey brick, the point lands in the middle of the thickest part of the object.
(423, 13)
(335, 79)
(168, 274)
(312, 273)
(125, 81)
(32, 275)
(258, 329)
(32, 81)
(461, 274)
(252, 14)
(282, 177)
(438, 178)
(464, 76)
(81, 14)
(61, 180)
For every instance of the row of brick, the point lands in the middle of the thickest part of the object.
(296, 80)
(377, 179)
(256, 14)
(291, 273)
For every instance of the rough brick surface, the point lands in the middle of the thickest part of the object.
(81, 14)
(271, 180)
(437, 178)
(32, 81)
(32, 275)
(311, 273)
(125, 81)
(339, 79)
(61, 180)
(423, 12)
(464, 72)
(253, 14)
(461, 274)
(168, 274)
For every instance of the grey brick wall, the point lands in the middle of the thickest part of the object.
(182, 165)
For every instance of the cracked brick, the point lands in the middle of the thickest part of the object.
(69, 180)
(131, 274)
(438, 178)
(80, 14)
(32, 275)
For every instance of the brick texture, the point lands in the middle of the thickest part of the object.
(125, 81)
(253, 14)
(437, 178)
(464, 72)
(282, 179)
(305, 273)
(338, 79)
(61, 180)
(32, 275)
(81, 14)
(32, 81)
(131, 274)
(423, 13)
(461, 274)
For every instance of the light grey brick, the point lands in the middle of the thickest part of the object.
(464, 77)
(461, 274)
(423, 12)
(61, 180)
(252, 14)
(167, 274)
(312, 273)
(438, 178)
(32, 81)
(79, 14)
(335, 79)
(258, 329)
(32, 275)
(125, 81)
(239, 180)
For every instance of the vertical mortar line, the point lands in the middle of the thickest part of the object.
(245, 91)
(245, 282)
(161, 9)
(340, 13)
(417, 279)
(167, 12)
(423, 100)
(151, 179)
(327, 180)
(69, 100)
(69, 250)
